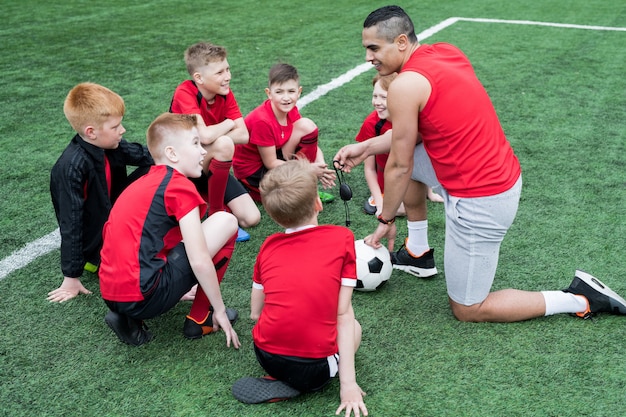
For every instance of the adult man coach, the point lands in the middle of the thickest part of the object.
(441, 114)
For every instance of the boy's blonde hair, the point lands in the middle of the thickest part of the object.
(385, 80)
(90, 104)
(289, 192)
(201, 54)
(163, 130)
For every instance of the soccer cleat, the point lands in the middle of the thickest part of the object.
(193, 330)
(262, 390)
(242, 235)
(130, 331)
(421, 266)
(326, 197)
(369, 206)
(600, 298)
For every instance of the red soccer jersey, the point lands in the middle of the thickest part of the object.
(459, 126)
(264, 130)
(187, 101)
(141, 230)
(301, 274)
(369, 131)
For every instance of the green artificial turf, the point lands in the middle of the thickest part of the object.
(560, 95)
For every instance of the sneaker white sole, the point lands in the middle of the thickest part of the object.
(415, 271)
(602, 288)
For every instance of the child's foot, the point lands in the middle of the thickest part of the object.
(326, 197)
(369, 207)
(242, 235)
(128, 330)
(193, 330)
(262, 390)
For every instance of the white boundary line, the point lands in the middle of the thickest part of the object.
(52, 241)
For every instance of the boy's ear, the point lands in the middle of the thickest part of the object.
(170, 153)
(197, 77)
(89, 132)
(318, 204)
(299, 91)
(267, 92)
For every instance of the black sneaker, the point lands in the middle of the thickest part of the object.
(130, 331)
(193, 330)
(262, 390)
(600, 298)
(421, 267)
(369, 206)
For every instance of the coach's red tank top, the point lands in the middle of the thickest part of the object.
(459, 126)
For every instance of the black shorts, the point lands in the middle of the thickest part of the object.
(234, 188)
(303, 374)
(175, 280)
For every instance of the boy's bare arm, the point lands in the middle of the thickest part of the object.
(201, 263)
(350, 392)
(257, 300)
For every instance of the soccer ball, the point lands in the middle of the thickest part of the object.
(373, 266)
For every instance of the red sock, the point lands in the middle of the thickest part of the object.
(308, 145)
(219, 171)
(200, 306)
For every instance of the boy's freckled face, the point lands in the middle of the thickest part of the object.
(109, 135)
(190, 153)
(216, 77)
(284, 96)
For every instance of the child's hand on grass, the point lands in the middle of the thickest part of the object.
(70, 288)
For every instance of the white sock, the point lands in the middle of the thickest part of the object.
(563, 302)
(417, 243)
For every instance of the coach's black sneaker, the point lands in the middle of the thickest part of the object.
(262, 390)
(130, 331)
(193, 330)
(422, 266)
(600, 298)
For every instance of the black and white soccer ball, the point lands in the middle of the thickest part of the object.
(373, 266)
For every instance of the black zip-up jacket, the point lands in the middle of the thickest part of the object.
(81, 200)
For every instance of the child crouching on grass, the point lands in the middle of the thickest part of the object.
(156, 247)
(303, 279)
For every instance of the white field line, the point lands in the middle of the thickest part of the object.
(52, 241)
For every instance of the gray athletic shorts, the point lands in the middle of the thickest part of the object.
(475, 228)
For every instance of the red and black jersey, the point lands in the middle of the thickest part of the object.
(301, 274)
(188, 100)
(142, 228)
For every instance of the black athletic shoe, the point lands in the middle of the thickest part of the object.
(193, 330)
(130, 331)
(369, 206)
(600, 298)
(421, 266)
(262, 390)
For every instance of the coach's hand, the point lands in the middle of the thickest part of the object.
(350, 156)
(383, 231)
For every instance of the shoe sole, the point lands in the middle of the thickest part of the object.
(617, 302)
(262, 390)
(417, 272)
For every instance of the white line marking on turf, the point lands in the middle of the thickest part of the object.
(52, 241)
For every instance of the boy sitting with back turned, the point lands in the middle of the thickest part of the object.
(278, 133)
(303, 279)
(156, 247)
(88, 177)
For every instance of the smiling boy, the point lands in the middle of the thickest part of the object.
(277, 133)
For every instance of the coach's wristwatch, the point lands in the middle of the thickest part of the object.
(387, 222)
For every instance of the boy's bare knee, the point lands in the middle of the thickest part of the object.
(222, 149)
